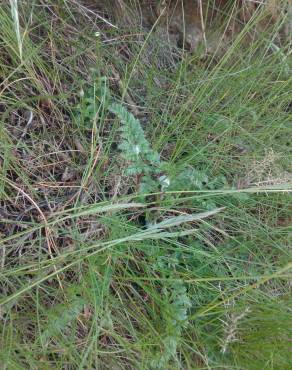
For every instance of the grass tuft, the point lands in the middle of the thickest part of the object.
(145, 187)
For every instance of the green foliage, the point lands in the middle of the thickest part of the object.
(135, 148)
(174, 309)
(60, 319)
(174, 315)
(91, 276)
(94, 99)
(143, 160)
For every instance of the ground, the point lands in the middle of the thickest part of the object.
(145, 188)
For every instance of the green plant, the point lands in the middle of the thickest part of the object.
(94, 100)
(144, 162)
(175, 311)
(95, 272)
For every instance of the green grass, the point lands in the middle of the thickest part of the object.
(100, 272)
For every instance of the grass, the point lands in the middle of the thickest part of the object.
(98, 271)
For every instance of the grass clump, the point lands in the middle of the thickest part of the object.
(145, 209)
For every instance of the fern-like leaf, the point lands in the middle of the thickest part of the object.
(134, 146)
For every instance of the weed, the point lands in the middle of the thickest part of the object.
(145, 211)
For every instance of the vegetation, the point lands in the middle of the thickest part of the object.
(145, 207)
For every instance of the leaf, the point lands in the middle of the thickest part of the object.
(60, 317)
(178, 220)
(134, 146)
